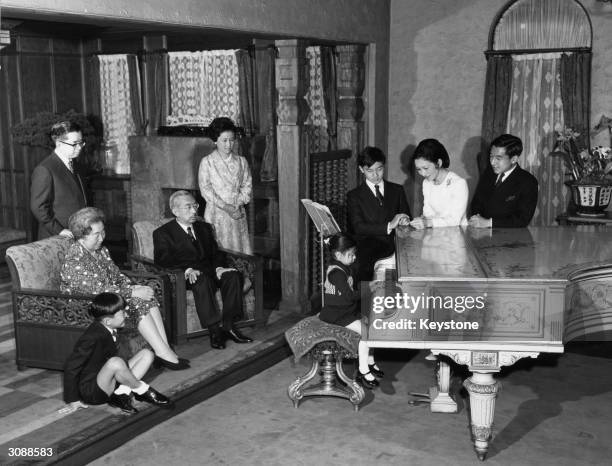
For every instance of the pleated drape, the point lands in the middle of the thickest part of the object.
(246, 89)
(575, 94)
(498, 85)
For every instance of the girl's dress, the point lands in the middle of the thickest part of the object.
(341, 299)
(226, 181)
(85, 272)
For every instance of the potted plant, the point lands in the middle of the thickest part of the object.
(591, 172)
(35, 132)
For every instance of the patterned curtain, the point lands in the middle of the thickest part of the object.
(203, 85)
(316, 122)
(116, 107)
(534, 114)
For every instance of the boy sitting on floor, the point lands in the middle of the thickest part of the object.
(92, 371)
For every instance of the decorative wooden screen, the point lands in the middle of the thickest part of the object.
(328, 182)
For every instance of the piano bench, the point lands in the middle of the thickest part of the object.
(327, 346)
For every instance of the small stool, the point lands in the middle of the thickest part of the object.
(327, 345)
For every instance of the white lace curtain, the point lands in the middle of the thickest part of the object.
(203, 85)
(543, 24)
(534, 114)
(116, 107)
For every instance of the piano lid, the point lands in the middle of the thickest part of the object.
(459, 253)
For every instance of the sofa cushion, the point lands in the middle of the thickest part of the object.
(38, 264)
(143, 236)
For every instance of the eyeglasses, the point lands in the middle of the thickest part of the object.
(195, 206)
(80, 144)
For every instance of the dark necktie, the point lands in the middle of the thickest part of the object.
(379, 195)
(71, 165)
(194, 241)
(114, 335)
(191, 235)
(499, 180)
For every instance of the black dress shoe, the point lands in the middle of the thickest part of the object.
(237, 337)
(155, 398)
(376, 372)
(173, 366)
(216, 340)
(365, 383)
(123, 402)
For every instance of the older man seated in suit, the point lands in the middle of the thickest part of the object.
(189, 244)
(375, 209)
(506, 195)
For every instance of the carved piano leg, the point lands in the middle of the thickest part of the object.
(441, 401)
(483, 389)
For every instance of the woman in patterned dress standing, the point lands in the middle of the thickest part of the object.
(226, 185)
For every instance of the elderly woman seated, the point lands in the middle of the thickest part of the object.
(88, 269)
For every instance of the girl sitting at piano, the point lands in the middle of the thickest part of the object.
(342, 302)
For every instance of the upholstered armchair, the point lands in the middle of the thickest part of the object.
(48, 322)
(184, 320)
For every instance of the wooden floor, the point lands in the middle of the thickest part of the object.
(30, 400)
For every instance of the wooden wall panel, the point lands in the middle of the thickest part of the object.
(68, 83)
(33, 44)
(37, 84)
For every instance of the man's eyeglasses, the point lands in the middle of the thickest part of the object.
(195, 206)
(80, 144)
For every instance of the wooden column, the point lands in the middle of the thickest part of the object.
(291, 83)
(350, 82)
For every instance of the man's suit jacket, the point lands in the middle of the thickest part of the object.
(365, 215)
(512, 203)
(90, 353)
(55, 194)
(174, 248)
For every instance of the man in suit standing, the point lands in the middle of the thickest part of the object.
(93, 369)
(375, 209)
(189, 244)
(57, 189)
(506, 195)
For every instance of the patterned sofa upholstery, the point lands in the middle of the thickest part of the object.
(48, 322)
(185, 321)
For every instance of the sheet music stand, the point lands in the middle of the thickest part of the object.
(326, 225)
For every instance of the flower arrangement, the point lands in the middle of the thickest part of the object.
(35, 132)
(587, 166)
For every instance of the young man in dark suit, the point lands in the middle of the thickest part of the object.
(57, 190)
(506, 195)
(93, 369)
(189, 244)
(375, 209)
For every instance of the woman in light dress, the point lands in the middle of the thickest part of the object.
(445, 194)
(226, 185)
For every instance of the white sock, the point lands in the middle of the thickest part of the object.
(142, 388)
(371, 360)
(122, 390)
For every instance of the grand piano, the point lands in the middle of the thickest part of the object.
(487, 298)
